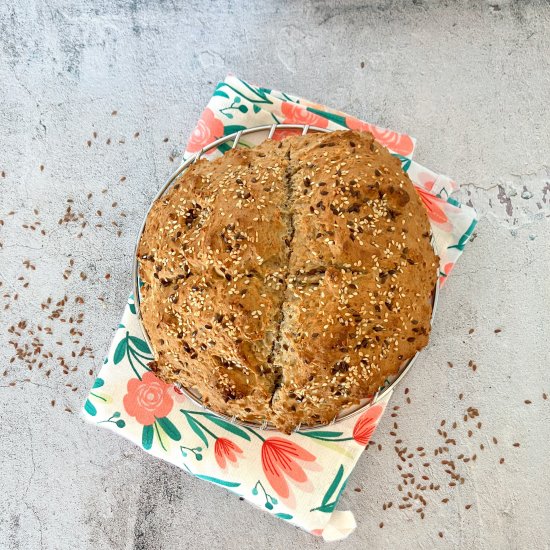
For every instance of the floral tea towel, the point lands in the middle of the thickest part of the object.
(299, 477)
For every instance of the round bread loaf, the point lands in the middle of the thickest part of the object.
(288, 281)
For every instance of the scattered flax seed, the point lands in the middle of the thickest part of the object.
(440, 534)
(107, 275)
(501, 461)
(471, 331)
(460, 396)
(406, 391)
(527, 402)
(165, 140)
(53, 402)
(516, 445)
(42, 168)
(95, 135)
(544, 396)
(357, 489)
(468, 506)
(408, 400)
(114, 113)
(450, 364)
(123, 178)
(136, 135)
(89, 143)
(497, 330)
(495, 441)
(381, 524)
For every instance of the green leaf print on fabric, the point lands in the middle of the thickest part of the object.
(405, 162)
(197, 451)
(232, 128)
(220, 93)
(132, 303)
(254, 95)
(224, 147)
(329, 116)
(326, 505)
(135, 350)
(282, 515)
(235, 106)
(89, 408)
(120, 351)
(464, 238)
(147, 437)
(196, 427)
(140, 344)
(227, 426)
(321, 434)
(333, 486)
(114, 419)
(218, 481)
(169, 429)
(270, 501)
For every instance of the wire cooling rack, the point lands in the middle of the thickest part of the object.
(256, 133)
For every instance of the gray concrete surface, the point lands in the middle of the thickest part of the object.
(469, 79)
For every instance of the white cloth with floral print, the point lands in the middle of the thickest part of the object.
(299, 477)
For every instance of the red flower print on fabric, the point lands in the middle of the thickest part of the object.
(283, 133)
(280, 459)
(148, 399)
(296, 114)
(366, 425)
(433, 205)
(208, 129)
(225, 450)
(398, 143)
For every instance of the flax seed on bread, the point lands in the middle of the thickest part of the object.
(288, 281)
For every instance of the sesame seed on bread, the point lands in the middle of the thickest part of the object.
(286, 282)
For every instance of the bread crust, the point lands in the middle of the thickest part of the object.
(288, 281)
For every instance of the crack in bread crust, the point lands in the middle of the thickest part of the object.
(289, 218)
(286, 282)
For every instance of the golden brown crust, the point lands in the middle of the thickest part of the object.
(287, 281)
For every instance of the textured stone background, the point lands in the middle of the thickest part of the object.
(470, 80)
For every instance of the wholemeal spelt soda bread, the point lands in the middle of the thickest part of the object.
(286, 282)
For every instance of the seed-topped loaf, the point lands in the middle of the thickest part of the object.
(286, 282)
